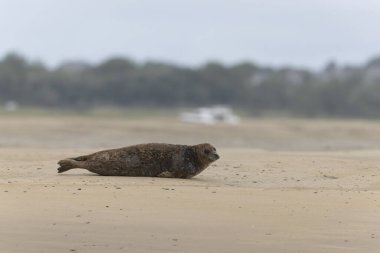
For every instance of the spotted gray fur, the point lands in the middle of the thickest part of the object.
(149, 160)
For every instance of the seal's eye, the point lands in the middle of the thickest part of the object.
(207, 151)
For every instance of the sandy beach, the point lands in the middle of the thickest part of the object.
(281, 185)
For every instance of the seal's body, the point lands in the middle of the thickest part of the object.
(149, 160)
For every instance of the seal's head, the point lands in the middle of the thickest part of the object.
(206, 153)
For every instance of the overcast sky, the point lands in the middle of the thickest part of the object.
(271, 32)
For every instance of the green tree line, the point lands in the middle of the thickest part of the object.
(334, 91)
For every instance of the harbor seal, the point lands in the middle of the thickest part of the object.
(146, 160)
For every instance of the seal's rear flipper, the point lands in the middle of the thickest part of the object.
(67, 164)
(80, 158)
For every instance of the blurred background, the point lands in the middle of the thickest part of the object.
(165, 59)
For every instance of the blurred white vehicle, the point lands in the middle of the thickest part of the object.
(210, 115)
(11, 106)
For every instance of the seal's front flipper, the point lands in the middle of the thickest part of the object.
(67, 164)
(166, 173)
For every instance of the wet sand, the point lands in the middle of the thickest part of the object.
(280, 186)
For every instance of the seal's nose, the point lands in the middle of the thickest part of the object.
(216, 156)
